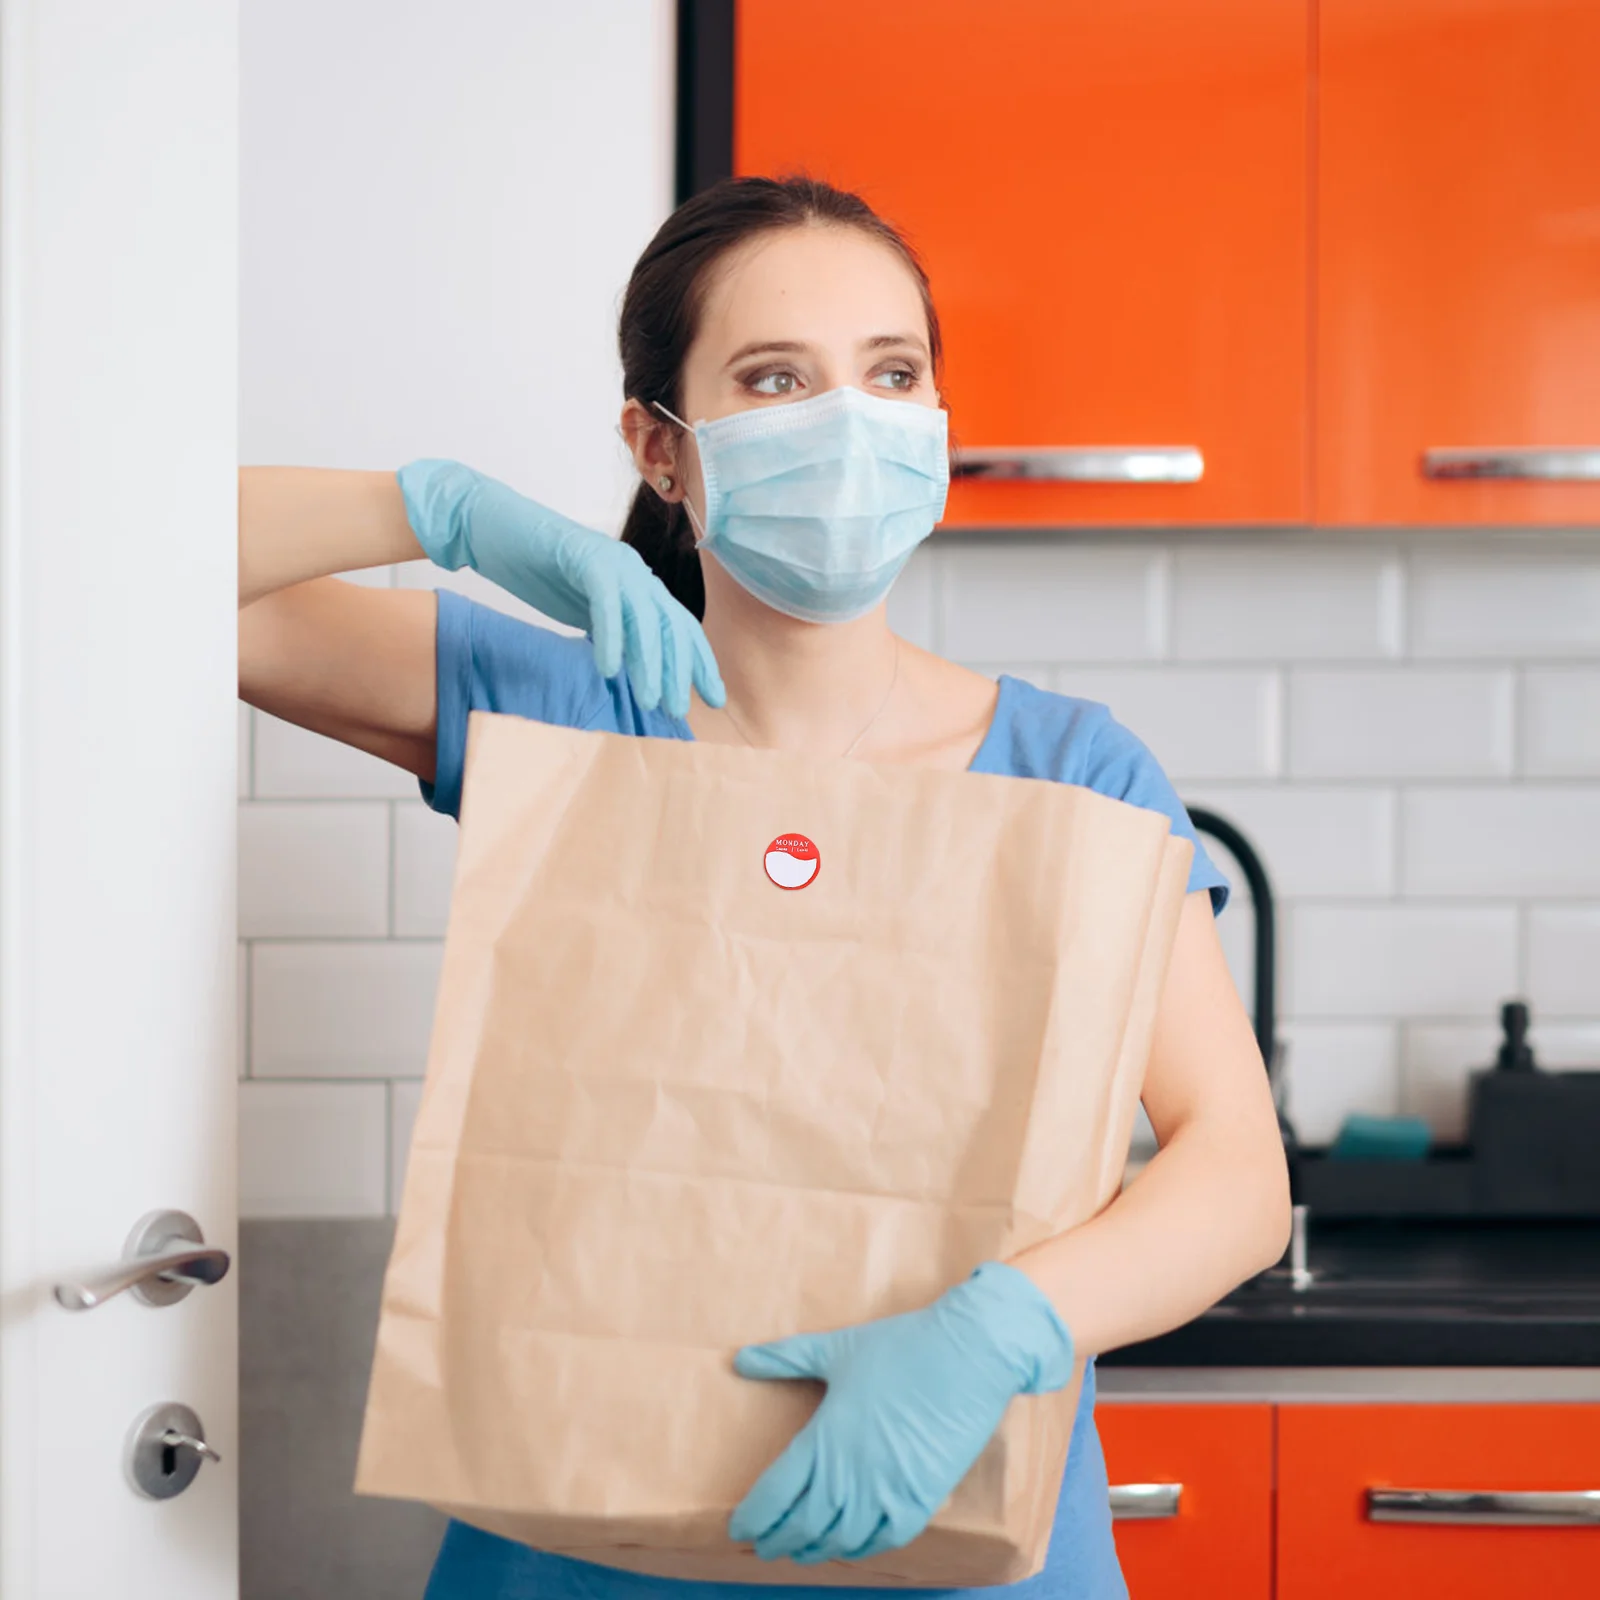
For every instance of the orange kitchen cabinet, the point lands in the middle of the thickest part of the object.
(1457, 291)
(1220, 1542)
(1330, 1456)
(1111, 202)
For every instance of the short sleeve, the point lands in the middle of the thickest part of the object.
(1119, 764)
(487, 661)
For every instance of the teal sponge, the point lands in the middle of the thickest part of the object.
(1363, 1138)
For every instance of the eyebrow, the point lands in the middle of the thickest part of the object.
(768, 347)
(795, 347)
(894, 341)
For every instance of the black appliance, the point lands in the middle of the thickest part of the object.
(1532, 1152)
(1533, 1140)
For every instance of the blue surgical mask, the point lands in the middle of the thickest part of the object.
(814, 507)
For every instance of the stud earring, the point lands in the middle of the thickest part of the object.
(664, 482)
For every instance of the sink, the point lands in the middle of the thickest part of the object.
(1388, 1294)
(1336, 1293)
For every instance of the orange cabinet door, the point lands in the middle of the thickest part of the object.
(1111, 202)
(1458, 259)
(1218, 1546)
(1329, 1457)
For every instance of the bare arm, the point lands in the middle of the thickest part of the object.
(356, 664)
(1212, 1207)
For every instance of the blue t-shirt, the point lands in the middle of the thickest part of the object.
(491, 662)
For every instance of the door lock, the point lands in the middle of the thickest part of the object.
(166, 1449)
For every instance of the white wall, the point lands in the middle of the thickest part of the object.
(438, 218)
(440, 204)
(442, 199)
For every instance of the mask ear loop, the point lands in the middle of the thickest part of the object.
(688, 505)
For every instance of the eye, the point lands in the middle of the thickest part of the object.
(777, 381)
(898, 380)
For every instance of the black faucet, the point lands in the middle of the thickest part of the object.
(1266, 953)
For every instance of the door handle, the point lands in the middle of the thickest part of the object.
(1110, 463)
(1486, 1507)
(165, 1257)
(1577, 464)
(1144, 1502)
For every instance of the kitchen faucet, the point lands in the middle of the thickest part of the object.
(1265, 1009)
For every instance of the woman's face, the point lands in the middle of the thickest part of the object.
(803, 310)
(795, 313)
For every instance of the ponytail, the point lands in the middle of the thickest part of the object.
(662, 533)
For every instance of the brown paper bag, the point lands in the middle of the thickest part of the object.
(673, 1107)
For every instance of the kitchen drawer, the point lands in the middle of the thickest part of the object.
(1219, 1542)
(1330, 1456)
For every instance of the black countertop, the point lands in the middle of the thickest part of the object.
(1391, 1294)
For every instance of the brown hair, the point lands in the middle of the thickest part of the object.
(661, 316)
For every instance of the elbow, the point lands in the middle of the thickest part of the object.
(1272, 1209)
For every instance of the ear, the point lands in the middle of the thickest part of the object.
(654, 450)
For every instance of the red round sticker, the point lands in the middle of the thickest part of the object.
(792, 861)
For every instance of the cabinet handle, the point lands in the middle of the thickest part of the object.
(1144, 1502)
(1573, 465)
(1133, 463)
(1487, 1508)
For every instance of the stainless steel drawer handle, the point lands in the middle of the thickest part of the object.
(1144, 1502)
(1570, 1508)
(1578, 464)
(165, 1257)
(1134, 463)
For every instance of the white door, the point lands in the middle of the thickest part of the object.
(118, 180)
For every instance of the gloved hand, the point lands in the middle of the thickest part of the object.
(567, 571)
(911, 1402)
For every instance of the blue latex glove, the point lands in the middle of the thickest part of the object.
(911, 1402)
(567, 571)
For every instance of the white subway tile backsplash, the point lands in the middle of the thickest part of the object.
(1438, 1059)
(1047, 602)
(1563, 955)
(1510, 840)
(346, 1010)
(1201, 722)
(1435, 1061)
(1561, 722)
(404, 1098)
(1400, 723)
(1534, 598)
(1362, 775)
(1336, 843)
(1277, 602)
(1398, 960)
(313, 1149)
(295, 764)
(424, 871)
(313, 870)
(1566, 1046)
(1336, 1068)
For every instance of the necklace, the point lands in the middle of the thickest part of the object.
(894, 678)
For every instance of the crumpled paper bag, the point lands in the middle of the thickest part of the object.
(691, 1086)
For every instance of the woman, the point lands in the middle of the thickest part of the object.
(781, 362)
